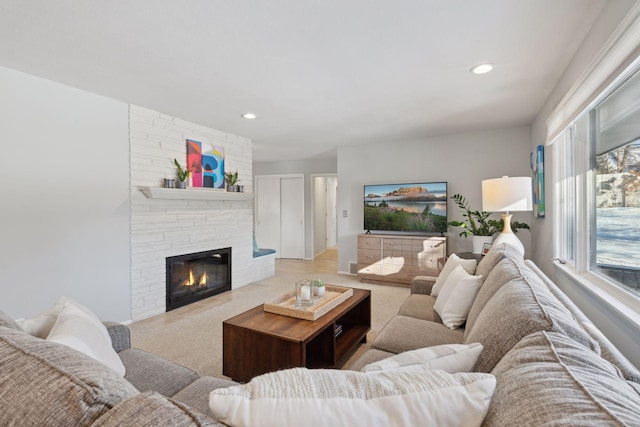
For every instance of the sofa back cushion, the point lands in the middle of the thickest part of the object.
(506, 270)
(519, 308)
(153, 409)
(8, 322)
(496, 254)
(44, 383)
(608, 350)
(549, 379)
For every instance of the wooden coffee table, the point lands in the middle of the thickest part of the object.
(256, 342)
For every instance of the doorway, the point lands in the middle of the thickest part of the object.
(324, 213)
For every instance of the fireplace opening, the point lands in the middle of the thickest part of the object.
(199, 275)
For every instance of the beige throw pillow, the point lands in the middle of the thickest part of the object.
(452, 262)
(325, 397)
(456, 297)
(450, 358)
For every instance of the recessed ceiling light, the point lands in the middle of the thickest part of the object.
(249, 116)
(482, 68)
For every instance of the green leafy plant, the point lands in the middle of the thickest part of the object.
(231, 178)
(183, 173)
(477, 223)
(317, 282)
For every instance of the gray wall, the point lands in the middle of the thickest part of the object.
(64, 214)
(623, 332)
(463, 160)
(308, 168)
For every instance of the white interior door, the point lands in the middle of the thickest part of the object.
(292, 217)
(332, 211)
(279, 214)
(268, 212)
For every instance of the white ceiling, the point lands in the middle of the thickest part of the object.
(318, 73)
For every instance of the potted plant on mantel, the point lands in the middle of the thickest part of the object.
(183, 175)
(232, 180)
(478, 225)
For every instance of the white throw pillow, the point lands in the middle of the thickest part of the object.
(450, 358)
(41, 325)
(325, 397)
(84, 332)
(456, 297)
(452, 262)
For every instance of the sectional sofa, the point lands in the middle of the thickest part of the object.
(550, 364)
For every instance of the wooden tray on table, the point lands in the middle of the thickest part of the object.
(286, 304)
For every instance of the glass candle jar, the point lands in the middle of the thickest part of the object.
(304, 294)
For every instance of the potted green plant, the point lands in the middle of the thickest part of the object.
(232, 180)
(478, 225)
(183, 175)
(318, 288)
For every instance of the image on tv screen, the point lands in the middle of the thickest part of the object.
(418, 207)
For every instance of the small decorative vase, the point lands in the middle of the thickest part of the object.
(169, 183)
(318, 291)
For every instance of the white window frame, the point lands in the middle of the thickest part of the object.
(582, 182)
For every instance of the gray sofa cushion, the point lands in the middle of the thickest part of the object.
(404, 333)
(369, 356)
(149, 372)
(608, 350)
(505, 270)
(422, 285)
(196, 394)
(519, 308)
(8, 322)
(496, 254)
(44, 383)
(549, 379)
(120, 335)
(152, 409)
(420, 307)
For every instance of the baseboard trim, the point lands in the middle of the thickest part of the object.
(347, 273)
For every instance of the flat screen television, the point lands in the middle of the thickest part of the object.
(411, 207)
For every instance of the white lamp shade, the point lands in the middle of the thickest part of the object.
(507, 194)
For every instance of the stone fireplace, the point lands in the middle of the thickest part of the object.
(195, 276)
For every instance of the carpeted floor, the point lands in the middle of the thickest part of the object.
(192, 335)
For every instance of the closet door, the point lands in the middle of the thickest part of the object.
(268, 212)
(291, 218)
(280, 214)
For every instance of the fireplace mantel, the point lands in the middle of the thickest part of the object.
(193, 194)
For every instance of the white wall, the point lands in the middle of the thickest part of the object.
(618, 328)
(308, 168)
(463, 160)
(64, 213)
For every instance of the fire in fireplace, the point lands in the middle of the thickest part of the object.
(199, 275)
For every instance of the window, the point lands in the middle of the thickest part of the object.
(616, 162)
(598, 188)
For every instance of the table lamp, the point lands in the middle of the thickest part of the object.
(507, 194)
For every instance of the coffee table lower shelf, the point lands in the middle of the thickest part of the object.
(256, 342)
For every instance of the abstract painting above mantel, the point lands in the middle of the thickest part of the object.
(206, 163)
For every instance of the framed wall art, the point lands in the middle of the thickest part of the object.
(537, 181)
